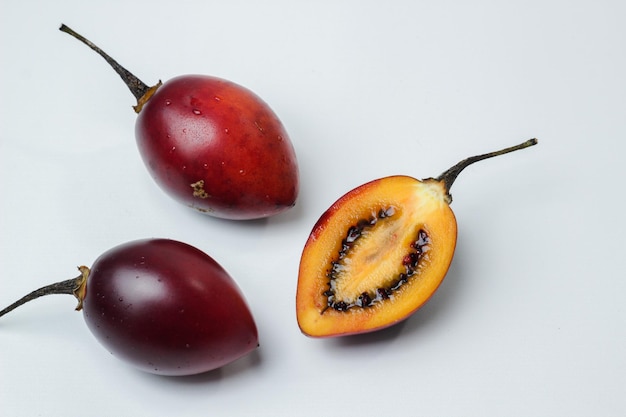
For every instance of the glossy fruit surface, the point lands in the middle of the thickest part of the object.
(379, 253)
(211, 144)
(167, 308)
(162, 306)
(217, 147)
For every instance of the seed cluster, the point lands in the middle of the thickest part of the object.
(367, 299)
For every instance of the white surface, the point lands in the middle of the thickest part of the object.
(531, 319)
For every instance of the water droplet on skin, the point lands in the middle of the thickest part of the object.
(197, 112)
(206, 166)
(173, 149)
(168, 102)
(216, 98)
(242, 172)
(225, 130)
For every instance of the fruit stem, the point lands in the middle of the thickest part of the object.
(74, 286)
(449, 176)
(138, 88)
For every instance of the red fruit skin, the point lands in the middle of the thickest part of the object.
(167, 308)
(217, 147)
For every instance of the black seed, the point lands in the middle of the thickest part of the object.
(396, 285)
(328, 293)
(388, 212)
(353, 234)
(340, 306)
(383, 293)
(422, 238)
(365, 299)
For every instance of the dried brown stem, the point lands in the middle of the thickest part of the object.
(449, 176)
(138, 88)
(74, 286)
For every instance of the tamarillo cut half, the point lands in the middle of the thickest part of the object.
(379, 253)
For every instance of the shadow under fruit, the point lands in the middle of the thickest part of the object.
(211, 144)
(379, 253)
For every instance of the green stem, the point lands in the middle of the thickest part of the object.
(449, 176)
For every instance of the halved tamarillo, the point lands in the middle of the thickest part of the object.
(211, 144)
(162, 306)
(379, 253)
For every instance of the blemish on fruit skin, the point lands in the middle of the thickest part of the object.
(198, 189)
(201, 209)
(196, 112)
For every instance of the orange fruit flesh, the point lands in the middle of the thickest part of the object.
(376, 258)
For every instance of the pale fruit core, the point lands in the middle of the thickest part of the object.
(377, 257)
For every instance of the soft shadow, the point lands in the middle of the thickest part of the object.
(443, 302)
(289, 216)
(208, 218)
(240, 366)
(373, 338)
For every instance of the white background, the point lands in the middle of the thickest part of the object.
(531, 319)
